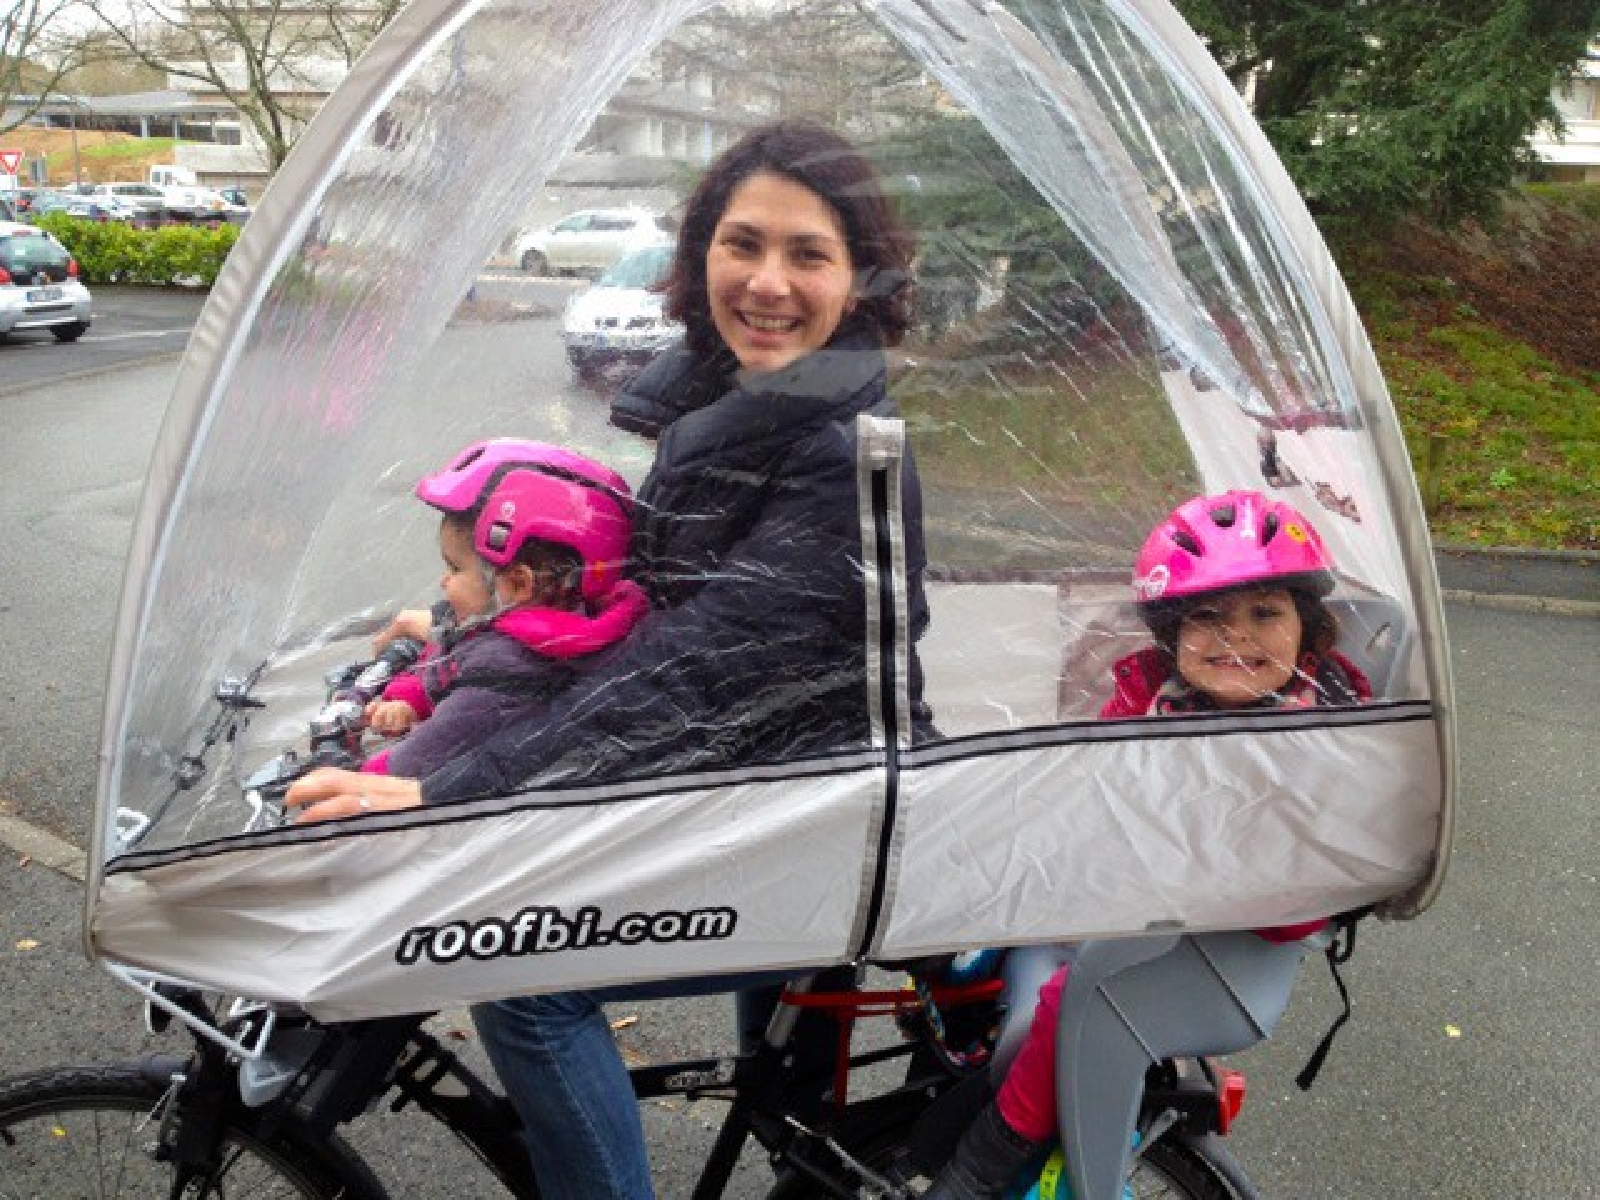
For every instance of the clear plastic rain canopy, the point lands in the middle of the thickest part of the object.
(1122, 304)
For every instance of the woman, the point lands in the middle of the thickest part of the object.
(791, 276)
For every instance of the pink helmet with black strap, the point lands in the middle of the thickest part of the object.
(1232, 540)
(522, 489)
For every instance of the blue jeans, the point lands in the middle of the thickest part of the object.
(561, 1069)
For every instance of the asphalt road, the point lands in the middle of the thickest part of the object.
(1464, 1073)
(130, 325)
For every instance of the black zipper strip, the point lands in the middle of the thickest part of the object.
(888, 635)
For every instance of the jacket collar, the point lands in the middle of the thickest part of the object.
(676, 389)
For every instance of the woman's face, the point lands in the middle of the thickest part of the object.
(1240, 646)
(779, 275)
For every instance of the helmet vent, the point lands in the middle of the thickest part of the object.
(1269, 527)
(1186, 540)
(1224, 515)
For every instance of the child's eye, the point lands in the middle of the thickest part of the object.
(1205, 616)
(1267, 612)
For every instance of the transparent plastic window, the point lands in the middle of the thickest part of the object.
(1112, 319)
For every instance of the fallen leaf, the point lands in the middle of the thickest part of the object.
(24, 860)
(624, 1022)
(28, 944)
(1452, 1031)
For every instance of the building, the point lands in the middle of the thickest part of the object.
(1575, 156)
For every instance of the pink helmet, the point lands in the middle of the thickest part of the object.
(1238, 538)
(522, 489)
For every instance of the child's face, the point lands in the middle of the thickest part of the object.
(463, 581)
(1239, 646)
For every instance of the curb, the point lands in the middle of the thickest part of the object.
(1459, 550)
(13, 389)
(1511, 602)
(31, 842)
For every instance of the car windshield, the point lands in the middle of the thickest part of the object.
(22, 252)
(641, 269)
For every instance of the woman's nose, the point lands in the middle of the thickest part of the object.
(769, 278)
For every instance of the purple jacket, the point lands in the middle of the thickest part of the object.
(497, 674)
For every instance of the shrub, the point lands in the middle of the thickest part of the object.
(109, 252)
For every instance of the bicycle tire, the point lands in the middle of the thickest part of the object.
(1169, 1169)
(91, 1132)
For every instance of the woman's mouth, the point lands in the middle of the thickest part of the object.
(768, 324)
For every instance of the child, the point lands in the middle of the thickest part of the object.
(533, 539)
(1231, 588)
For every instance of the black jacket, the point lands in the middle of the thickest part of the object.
(747, 538)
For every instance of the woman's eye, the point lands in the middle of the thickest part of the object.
(1266, 613)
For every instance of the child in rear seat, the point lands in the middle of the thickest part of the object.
(1231, 588)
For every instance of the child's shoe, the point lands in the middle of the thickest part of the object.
(987, 1159)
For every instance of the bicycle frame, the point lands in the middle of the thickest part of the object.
(329, 1075)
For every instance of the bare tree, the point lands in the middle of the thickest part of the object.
(829, 60)
(37, 47)
(273, 60)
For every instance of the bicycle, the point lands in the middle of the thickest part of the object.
(258, 1101)
(255, 1108)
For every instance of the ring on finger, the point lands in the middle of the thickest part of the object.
(364, 802)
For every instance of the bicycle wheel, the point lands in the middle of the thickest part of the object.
(1176, 1170)
(1168, 1170)
(89, 1133)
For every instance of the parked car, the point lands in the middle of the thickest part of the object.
(103, 208)
(591, 241)
(44, 201)
(39, 285)
(620, 321)
(146, 198)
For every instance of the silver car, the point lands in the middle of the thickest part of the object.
(39, 286)
(586, 243)
(620, 321)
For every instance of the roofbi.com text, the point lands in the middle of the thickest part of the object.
(544, 930)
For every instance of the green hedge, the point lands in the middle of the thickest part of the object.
(110, 252)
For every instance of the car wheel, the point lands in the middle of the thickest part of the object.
(70, 333)
(535, 263)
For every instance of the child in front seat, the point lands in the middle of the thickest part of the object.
(1231, 588)
(533, 538)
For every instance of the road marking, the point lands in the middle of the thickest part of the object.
(43, 847)
(125, 337)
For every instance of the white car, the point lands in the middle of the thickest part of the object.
(147, 198)
(588, 242)
(620, 320)
(39, 286)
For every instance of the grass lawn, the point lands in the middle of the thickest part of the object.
(1490, 340)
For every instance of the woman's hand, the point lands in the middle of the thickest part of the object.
(327, 794)
(392, 718)
(408, 623)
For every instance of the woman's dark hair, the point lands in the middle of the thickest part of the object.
(815, 157)
(1319, 628)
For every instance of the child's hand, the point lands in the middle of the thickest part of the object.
(390, 717)
(414, 623)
